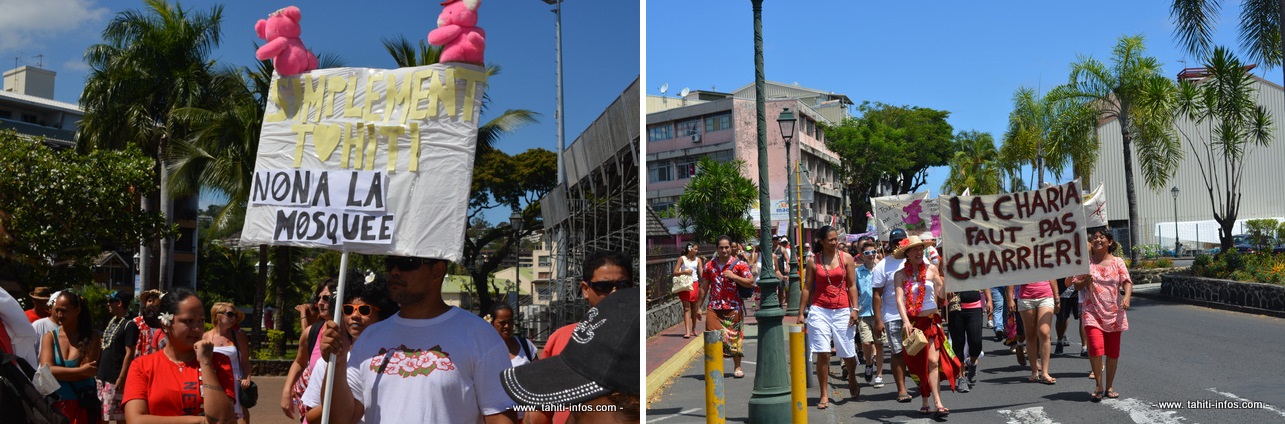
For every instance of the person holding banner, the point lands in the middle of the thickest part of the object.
(919, 289)
(1036, 303)
(1104, 308)
(430, 362)
(832, 313)
(689, 264)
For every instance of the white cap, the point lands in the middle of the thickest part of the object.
(927, 235)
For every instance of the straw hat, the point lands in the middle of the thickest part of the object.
(907, 244)
(40, 293)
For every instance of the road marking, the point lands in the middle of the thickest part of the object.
(1033, 415)
(1142, 412)
(680, 413)
(1266, 405)
(749, 362)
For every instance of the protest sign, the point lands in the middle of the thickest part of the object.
(374, 161)
(914, 213)
(1014, 238)
(1095, 208)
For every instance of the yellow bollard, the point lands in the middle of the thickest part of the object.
(798, 375)
(714, 400)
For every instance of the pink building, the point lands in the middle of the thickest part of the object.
(723, 126)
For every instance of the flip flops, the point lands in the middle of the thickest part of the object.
(823, 405)
(738, 374)
(1044, 379)
(1097, 395)
(941, 412)
(925, 410)
(1112, 394)
(904, 398)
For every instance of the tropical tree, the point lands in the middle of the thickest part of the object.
(1132, 91)
(716, 201)
(1050, 133)
(976, 167)
(1230, 124)
(151, 62)
(888, 150)
(1260, 28)
(60, 209)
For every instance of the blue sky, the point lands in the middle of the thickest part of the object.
(964, 57)
(600, 48)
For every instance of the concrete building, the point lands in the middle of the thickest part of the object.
(27, 106)
(723, 126)
(1196, 227)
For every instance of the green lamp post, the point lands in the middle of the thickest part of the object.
(770, 400)
(786, 120)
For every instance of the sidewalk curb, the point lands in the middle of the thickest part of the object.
(1156, 295)
(672, 367)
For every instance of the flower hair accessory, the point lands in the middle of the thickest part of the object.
(166, 318)
(487, 318)
(370, 278)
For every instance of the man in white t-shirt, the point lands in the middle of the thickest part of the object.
(887, 317)
(430, 363)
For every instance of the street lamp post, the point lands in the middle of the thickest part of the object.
(1175, 221)
(515, 221)
(786, 121)
(770, 400)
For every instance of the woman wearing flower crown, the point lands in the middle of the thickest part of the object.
(919, 290)
(187, 377)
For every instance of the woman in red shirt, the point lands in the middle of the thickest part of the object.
(186, 378)
(832, 313)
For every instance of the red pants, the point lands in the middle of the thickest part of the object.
(1102, 342)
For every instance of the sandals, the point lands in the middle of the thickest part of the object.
(1097, 395)
(942, 412)
(904, 398)
(1112, 394)
(823, 405)
(925, 410)
(687, 336)
(738, 374)
(1046, 379)
(1092, 376)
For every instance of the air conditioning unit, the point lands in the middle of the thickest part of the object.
(696, 138)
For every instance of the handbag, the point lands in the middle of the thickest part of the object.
(914, 341)
(249, 396)
(683, 283)
(744, 292)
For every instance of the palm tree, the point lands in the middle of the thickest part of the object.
(1133, 91)
(716, 200)
(151, 63)
(1260, 28)
(1230, 123)
(976, 166)
(1050, 133)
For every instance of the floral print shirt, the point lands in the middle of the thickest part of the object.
(722, 290)
(1101, 301)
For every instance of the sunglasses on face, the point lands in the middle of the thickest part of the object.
(363, 310)
(326, 298)
(608, 286)
(869, 253)
(406, 264)
(228, 314)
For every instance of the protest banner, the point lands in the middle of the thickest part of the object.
(1014, 238)
(914, 213)
(374, 161)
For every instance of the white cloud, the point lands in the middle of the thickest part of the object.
(76, 64)
(25, 22)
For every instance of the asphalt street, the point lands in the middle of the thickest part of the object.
(1171, 353)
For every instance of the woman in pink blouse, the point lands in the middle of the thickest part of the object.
(1104, 306)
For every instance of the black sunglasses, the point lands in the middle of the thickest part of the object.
(607, 286)
(326, 298)
(406, 263)
(363, 310)
(229, 314)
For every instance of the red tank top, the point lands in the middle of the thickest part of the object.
(830, 285)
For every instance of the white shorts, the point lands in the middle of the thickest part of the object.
(826, 325)
(1029, 304)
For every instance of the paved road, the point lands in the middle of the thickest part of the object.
(267, 411)
(1172, 352)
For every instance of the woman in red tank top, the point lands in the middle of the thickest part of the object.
(830, 294)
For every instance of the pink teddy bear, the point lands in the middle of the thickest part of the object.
(284, 47)
(458, 34)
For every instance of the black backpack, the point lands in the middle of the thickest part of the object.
(19, 399)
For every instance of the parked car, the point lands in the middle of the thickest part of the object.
(1241, 243)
